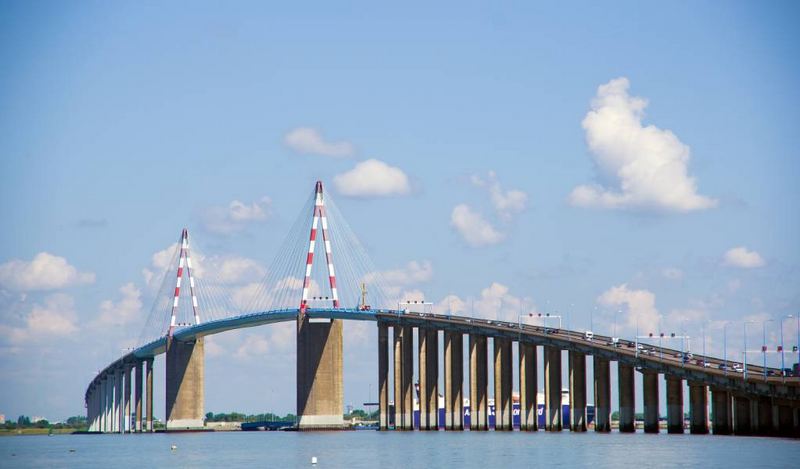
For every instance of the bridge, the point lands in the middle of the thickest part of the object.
(748, 400)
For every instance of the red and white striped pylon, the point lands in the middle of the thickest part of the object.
(184, 259)
(319, 214)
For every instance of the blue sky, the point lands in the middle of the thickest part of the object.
(123, 122)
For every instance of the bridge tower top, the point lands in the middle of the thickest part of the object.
(319, 215)
(184, 263)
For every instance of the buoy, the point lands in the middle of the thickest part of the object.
(173, 447)
(72, 450)
(313, 459)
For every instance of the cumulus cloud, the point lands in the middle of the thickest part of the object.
(475, 229)
(506, 203)
(494, 302)
(310, 141)
(640, 305)
(55, 318)
(394, 280)
(236, 269)
(744, 258)
(372, 178)
(124, 311)
(44, 272)
(236, 216)
(644, 167)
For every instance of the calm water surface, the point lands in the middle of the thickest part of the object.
(397, 449)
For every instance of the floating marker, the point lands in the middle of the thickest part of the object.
(313, 460)
(173, 447)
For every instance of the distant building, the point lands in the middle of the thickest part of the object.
(36, 418)
(2, 419)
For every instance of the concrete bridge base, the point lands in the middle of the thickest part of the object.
(320, 398)
(627, 395)
(185, 384)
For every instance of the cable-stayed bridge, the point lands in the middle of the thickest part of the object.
(197, 302)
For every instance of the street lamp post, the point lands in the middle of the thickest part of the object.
(764, 345)
(725, 346)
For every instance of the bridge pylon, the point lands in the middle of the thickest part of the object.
(185, 361)
(320, 388)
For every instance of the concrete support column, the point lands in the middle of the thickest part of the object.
(383, 375)
(408, 377)
(765, 420)
(742, 422)
(432, 378)
(149, 392)
(453, 380)
(185, 384)
(478, 383)
(674, 404)
(119, 408)
(577, 391)
(126, 427)
(424, 388)
(552, 388)
(108, 406)
(137, 395)
(397, 337)
(698, 408)
(320, 389)
(502, 385)
(627, 398)
(650, 395)
(602, 395)
(721, 412)
(785, 421)
(527, 387)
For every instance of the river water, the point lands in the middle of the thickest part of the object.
(398, 449)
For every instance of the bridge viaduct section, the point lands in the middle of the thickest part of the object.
(732, 412)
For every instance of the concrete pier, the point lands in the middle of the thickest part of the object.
(478, 383)
(397, 382)
(108, 394)
(650, 396)
(118, 404)
(408, 377)
(674, 404)
(785, 421)
(721, 412)
(185, 384)
(453, 380)
(126, 427)
(602, 395)
(432, 377)
(698, 408)
(552, 389)
(383, 375)
(627, 398)
(528, 387)
(137, 395)
(320, 390)
(742, 422)
(502, 385)
(149, 393)
(577, 391)
(424, 388)
(765, 418)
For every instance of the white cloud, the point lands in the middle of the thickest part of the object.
(645, 167)
(506, 203)
(640, 306)
(372, 178)
(475, 230)
(309, 140)
(742, 257)
(56, 318)
(44, 272)
(672, 273)
(124, 311)
(494, 302)
(237, 269)
(236, 216)
(394, 280)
